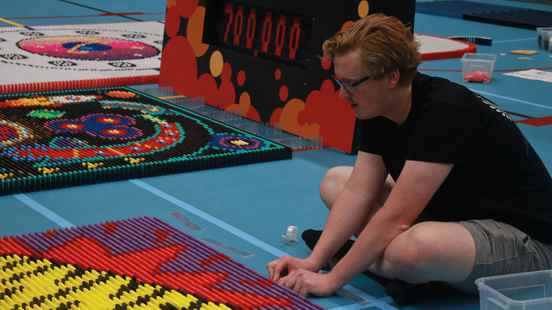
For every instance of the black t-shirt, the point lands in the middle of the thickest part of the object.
(496, 172)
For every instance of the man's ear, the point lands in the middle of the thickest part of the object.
(393, 78)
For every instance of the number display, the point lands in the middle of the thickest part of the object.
(261, 32)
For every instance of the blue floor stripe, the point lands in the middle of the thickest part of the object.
(49, 214)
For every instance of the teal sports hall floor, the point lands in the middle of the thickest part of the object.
(242, 211)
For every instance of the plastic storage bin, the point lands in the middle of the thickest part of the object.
(518, 291)
(477, 67)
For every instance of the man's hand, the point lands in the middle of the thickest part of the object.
(307, 282)
(285, 265)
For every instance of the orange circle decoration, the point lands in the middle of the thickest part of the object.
(284, 92)
(363, 8)
(241, 78)
(194, 32)
(216, 63)
(277, 74)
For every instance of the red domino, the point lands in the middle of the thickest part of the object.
(542, 121)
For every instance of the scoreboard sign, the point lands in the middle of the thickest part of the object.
(262, 60)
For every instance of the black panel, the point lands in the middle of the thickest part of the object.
(316, 21)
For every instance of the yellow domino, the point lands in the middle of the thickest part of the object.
(47, 282)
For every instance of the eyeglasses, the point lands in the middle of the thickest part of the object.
(350, 86)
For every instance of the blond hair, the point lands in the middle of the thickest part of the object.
(385, 44)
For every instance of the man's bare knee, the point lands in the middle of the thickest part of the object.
(333, 183)
(420, 254)
(408, 252)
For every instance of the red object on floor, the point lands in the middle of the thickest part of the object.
(542, 121)
(477, 77)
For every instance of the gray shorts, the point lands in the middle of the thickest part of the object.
(501, 249)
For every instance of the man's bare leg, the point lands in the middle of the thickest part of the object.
(427, 251)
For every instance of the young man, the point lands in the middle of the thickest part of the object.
(445, 187)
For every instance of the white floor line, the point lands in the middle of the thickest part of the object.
(49, 214)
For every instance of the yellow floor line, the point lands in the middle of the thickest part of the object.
(11, 23)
